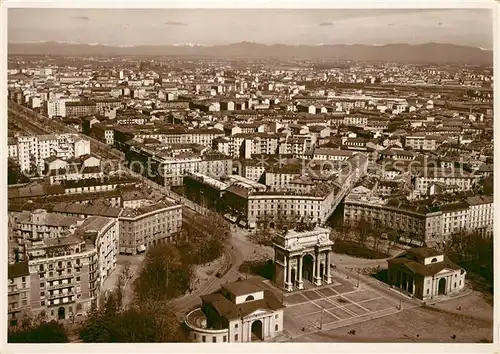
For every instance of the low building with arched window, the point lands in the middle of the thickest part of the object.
(242, 311)
(425, 273)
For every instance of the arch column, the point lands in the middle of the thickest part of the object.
(328, 279)
(317, 277)
(288, 280)
(300, 266)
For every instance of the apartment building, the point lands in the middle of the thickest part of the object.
(56, 107)
(40, 224)
(298, 146)
(422, 220)
(454, 217)
(424, 177)
(359, 121)
(66, 272)
(166, 169)
(316, 202)
(202, 136)
(480, 215)
(105, 232)
(329, 154)
(244, 145)
(423, 142)
(18, 291)
(105, 105)
(33, 150)
(145, 226)
(80, 109)
(104, 132)
(12, 148)
(93, 185)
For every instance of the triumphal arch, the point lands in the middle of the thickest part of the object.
(302, 254)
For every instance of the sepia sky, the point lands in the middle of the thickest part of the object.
(472, 27)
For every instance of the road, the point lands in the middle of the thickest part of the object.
(233, 256)
(36, 123)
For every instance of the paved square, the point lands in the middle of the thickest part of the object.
(334, 303)
(296, 311)
(356, 309)
(361, 295)
(376, 305)
(312, 295)
(324, 303)
(342, 314)
(327, 292)
(295, 299)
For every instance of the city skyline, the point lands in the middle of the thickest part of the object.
(127, 27)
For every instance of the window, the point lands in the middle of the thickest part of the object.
(236, 337)
(214, 339)
(455, 285)
(249, 298)
(24, 278)
(434, 260)
(42, 293)
(42, 285)
(203, 338)
(224, 339)
(276, 317)
(427, 291)
(236, 325)
(43, 303)
(276, 328)
(41, 268)
(195, 335)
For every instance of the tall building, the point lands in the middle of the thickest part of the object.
(32, 150)
(64, 272)
(145, 226)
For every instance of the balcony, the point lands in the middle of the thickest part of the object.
(55, 296)
(58, 286)
(62, 276)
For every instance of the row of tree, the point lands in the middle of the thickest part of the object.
(473, 251)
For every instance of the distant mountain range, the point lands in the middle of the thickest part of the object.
(438, 53)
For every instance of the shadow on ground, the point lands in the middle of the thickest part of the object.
(264, 268)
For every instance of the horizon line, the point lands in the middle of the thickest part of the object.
(199, 45)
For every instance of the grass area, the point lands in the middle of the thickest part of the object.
(356, 250)
(261, 267)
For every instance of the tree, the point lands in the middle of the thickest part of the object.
(203, 239)
(164, 275)
(34, 331)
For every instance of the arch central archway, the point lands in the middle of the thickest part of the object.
(308, 264)
(442, 286)
(257, 333)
